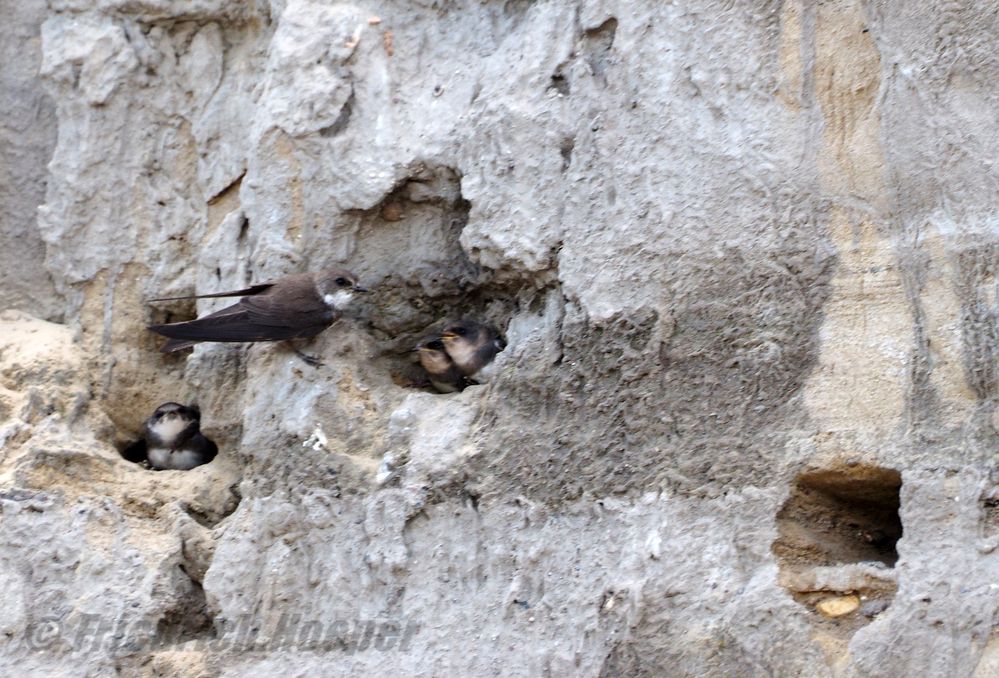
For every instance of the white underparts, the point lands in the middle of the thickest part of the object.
(461, 351)
(170, 426)
(436, 362)
(339, 299)
(444, 386)
(173, 460)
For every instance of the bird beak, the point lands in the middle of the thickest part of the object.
(361, 290)
(449, 335)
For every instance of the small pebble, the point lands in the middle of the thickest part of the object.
(837, 606)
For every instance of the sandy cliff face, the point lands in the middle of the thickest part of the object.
(744, 254)
(27, 137)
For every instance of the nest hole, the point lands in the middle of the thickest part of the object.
(841, 516)
(990, 511)
(422, 275)
(133, 448)
(836, 544)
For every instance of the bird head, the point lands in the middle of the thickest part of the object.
(463, 330)
(170, 411)
(433, 357)
(170, 419)
(429, 346)
(337, 287)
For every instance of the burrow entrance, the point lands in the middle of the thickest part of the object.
(990, 511)
(836, 541)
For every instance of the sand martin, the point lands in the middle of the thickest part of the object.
(172, 440)
(292, 307)
(471, 345)
(444, 374)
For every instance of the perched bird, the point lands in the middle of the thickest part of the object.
(172, 440)
(292, 307)
(444, 374)
(471, 345)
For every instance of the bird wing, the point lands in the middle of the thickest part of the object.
(258, 318)
(190, 431)
(298, 311)
(135, 451)
(177, 345)
(210, 449)
(249, 291)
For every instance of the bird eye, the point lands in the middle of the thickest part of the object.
(342, 282)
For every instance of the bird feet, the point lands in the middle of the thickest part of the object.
(309, 360)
